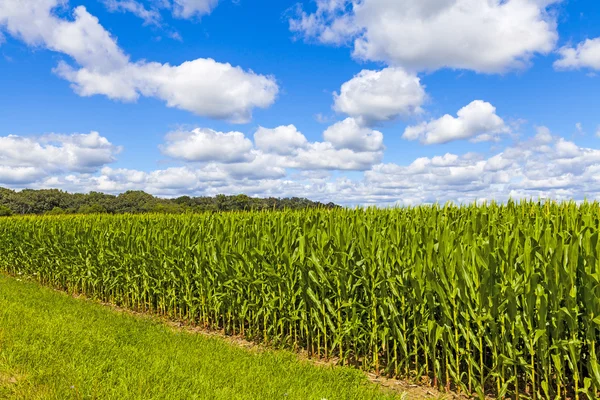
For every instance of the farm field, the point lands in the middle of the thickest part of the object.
(53, 346)
(488, 300)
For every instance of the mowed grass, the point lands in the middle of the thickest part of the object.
(53, 346)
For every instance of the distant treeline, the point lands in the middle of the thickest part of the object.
(54, 201)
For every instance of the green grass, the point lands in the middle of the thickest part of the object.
(53, 346)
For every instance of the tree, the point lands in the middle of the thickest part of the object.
(54, 201)
(92, 209)
(5, 211)
(56, 211)
(134, 201)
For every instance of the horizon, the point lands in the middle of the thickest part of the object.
(476, 202)
(355, 103)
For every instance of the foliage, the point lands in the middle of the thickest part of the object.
(5, 211)
(46, 201)
(94, 208)
(489, 299)
(56, 347)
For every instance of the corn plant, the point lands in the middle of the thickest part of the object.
(497, 300)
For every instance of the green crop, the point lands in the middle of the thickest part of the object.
(500, 300)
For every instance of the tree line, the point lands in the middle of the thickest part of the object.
(54, 201)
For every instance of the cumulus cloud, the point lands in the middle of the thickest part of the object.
(19, 175)
(202, 145)
(347, 146)
(542, 166)
(331, 23)
(26, 159)
(202, 86)
(349, 134)
(188, 179)
(262, 166)
(477, 121)
(82, 38)
(150, 17)
(380, 95)
(542, 139)
(193, 8)
(206, 181)
(585, 55)
(187, 9)
(282, 140)
(258, 177)
(324, 155)
(566, 149)
(174, 179)
(481, 35)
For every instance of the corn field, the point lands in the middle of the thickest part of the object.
(489, 300)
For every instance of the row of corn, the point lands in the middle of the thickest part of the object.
(488, 300)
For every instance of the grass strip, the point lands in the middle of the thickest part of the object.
(53, 346)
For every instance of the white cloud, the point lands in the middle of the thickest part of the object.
(150, 17)
(542, 140)
(202, 86)
(260, 176)
(328, 24)
(78, 152)
(19, 175)
(347, 146)
(83, 38)
(193, 8)
(480, 35)
(203, 145)
(323, 119)
(284, 147)
(187, 9)
(25, 159)
(585, 55)
(566, 149)
(176, 179)
(262, 166)
(349, 134)
(173, 181)
(174, 35)
(380, 95)
(525, 170)
(543, 166)
(324, 155)
(283, 140)
(477, 121)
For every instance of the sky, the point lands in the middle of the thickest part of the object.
(357, 102)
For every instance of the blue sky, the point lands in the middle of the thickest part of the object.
(335, 100)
